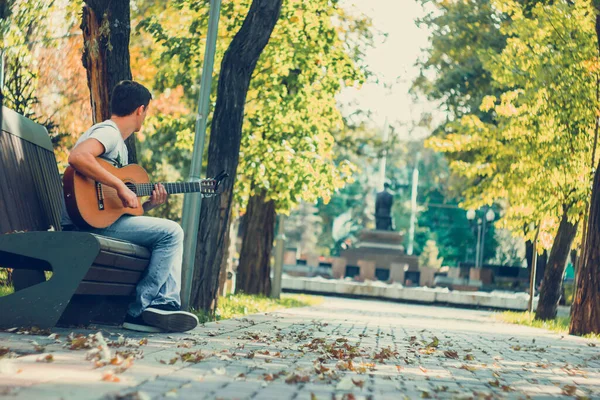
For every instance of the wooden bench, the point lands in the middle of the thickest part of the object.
(93, 277)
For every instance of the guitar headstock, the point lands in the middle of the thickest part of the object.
(210, 187)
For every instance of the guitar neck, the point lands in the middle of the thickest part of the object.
(145, 189)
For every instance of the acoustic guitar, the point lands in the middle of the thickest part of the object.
(92, 204)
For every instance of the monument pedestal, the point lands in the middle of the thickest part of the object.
(384, 248)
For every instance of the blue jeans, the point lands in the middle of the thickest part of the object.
(161, 282)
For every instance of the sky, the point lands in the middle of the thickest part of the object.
(393, 60)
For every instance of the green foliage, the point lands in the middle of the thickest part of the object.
(452, 71)
(24, 26)
(6, 290)
(546, 110)
(22, 36)
(239, 305)
(290, 113)
(453, 74)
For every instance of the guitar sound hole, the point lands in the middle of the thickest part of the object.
(131, 186)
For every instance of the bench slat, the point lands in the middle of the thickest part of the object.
(109, 259)
(121, 247)
(105, 289)
(111, 275)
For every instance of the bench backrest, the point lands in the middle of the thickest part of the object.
(30, 185)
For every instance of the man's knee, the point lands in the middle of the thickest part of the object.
(174, 231)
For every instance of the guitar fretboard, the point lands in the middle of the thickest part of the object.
(145, 189)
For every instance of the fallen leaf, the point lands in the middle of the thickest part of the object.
(48, 358)
(569, 390)
(295, 378)
(451, 354)
(507, 388)
(173, 360)
(320, 368)
(358, 382)
(109, 376)
(434, 343)
(193, 357)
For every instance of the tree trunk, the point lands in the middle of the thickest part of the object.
(106, 29)
(555, 269)
(223, 150)
(254, 269)
(585, 310)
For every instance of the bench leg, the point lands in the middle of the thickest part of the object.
(69, 254)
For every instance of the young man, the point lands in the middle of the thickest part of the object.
(157, 302)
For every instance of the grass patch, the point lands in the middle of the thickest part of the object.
(6, 290)
(559, 324)
(239, 305)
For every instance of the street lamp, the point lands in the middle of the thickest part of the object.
(488, 217)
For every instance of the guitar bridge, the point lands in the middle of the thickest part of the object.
(100, 196)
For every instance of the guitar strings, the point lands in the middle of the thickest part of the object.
(109, 192)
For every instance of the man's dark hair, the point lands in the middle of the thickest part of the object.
(127, 96)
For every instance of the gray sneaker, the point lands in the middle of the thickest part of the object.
(169, 318)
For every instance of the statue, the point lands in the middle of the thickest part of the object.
(383, 209)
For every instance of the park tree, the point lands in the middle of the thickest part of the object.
(453, 75)
(106, 31)
(585, 310)
(25, 39)
(237, 69)
(546, 110)
(287, 155)
(290, 108)
(452, 71)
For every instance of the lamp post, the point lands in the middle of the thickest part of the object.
(481, 222)
(533, 267)
(278, 258)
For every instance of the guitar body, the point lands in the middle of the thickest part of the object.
(91, 204)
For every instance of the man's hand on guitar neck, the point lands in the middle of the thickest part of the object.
(159, 196)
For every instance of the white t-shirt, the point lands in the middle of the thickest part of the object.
(115, 151)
